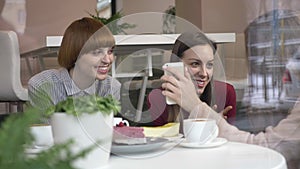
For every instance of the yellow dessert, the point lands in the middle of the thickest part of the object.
(167, 130)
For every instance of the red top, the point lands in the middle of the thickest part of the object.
(224, 94)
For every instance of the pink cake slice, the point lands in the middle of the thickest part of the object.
(129, 135)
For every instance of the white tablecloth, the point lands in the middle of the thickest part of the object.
(231, 155)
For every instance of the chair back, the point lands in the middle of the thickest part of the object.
(11, 88)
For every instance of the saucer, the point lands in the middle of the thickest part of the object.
(215, 143)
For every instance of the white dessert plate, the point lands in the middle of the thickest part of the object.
(35, 150)
(174, 138)
(153, 143)
(215, 143)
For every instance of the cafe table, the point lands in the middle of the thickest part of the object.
(231, 155)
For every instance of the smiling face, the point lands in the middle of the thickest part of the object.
(200, 60)
(96, 64)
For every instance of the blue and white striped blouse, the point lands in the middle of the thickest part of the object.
(52, 86)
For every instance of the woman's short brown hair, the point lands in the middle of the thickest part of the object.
(82, 36)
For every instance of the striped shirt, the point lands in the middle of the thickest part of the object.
(52, 86)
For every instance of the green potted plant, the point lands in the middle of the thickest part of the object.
(88, 120)
(15, 136)
(169, 20)
(112, 22)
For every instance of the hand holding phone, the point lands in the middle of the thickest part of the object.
(179, 66)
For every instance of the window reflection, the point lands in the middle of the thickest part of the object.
(272, 39)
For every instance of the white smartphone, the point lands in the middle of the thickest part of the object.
(179, 66)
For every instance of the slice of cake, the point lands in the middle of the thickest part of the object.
(129, 135)
(167, 130)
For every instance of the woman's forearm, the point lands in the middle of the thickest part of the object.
(226, 130)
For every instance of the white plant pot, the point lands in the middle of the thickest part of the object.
(85, 130)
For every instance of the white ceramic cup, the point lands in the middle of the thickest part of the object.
(200, 131)
(42, 134)
(117, 120)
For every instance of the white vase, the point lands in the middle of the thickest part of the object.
(85, 130)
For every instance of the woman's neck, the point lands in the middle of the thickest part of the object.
(81, 81)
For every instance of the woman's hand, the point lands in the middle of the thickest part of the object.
(223, 112)
(180, 88)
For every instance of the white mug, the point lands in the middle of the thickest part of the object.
(117, 120)
(200, 131)
(42, 134)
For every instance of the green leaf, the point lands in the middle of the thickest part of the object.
(15, 136)
(86, 104)
(112, 22)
